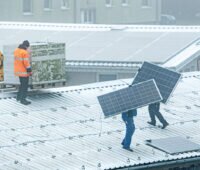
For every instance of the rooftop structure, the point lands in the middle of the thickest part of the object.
(189, 54)
(64, 128)
(106, 43)
(106, 52)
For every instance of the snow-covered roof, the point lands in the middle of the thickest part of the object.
(186, 56)
(105, 43)
(96, 27)
(64, 128)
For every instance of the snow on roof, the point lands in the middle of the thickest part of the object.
(64, 128)
(96, 27)
(53, 26)
(186, 55)
(108, 43)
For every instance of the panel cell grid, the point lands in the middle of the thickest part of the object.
(133, 97)
(165, 79)
(174, 145)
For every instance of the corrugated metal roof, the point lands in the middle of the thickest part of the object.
(103, 43)
(64, 128)
(101, 64)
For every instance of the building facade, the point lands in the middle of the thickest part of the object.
(186, 12)
(89, 72)
(82, 11)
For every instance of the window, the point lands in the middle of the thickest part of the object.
(146, 3)
(88, 16)
(107, 77)
(108, 3)
(47, 4)
(65, 4)
(27, 6)
(124, 2)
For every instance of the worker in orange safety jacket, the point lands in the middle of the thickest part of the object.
(22, 69)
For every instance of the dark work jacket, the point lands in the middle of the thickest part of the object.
(154, 108)
(129, 114)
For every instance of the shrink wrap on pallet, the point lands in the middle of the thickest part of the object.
(47, 62)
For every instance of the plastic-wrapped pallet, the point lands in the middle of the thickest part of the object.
(47, 61)
(1, 66)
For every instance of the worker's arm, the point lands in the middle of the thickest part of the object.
(27, 63)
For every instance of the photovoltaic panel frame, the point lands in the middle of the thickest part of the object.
(165, 79)
(180, 145)
(132, 97)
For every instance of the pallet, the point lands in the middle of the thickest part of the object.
(10, 88)
(48, 85)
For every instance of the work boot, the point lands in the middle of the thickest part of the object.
(25, 102)
(152, 123)
(165, 125)
(128, 149)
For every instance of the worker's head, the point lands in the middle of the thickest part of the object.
(26, 43)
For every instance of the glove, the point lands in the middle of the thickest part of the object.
(29, 70)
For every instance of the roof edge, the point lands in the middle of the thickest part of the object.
(158, 164)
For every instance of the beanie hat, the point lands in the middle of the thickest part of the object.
(26, 43)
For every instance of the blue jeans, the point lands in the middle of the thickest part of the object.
(130, 129)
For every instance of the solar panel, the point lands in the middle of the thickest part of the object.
(132, 97)
(165, 79)
(180, 145)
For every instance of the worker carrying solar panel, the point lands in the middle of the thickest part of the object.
(1, 66)
(166, 81)
(22, 69)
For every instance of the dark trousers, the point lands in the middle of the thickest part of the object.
(23, 88)
(154, 112)
(130, 129)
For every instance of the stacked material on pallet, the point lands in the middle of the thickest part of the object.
(1, 66)
(47, 61)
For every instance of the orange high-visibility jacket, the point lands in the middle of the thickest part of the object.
(21, 62)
